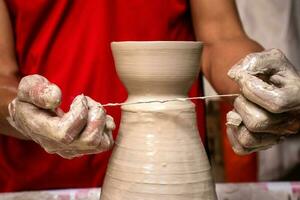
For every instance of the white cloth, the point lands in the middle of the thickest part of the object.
(275, 24)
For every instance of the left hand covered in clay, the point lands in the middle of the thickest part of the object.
(35, 113)
(268, 108)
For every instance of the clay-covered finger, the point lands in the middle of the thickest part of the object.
(93, 132)
(267, 96)
(234, 121)
(72, 123)
(262, 78)
(11, 119)
(262, 93)
(242, 140)
(39, 91)
(240, 148)
(259, 64)
(270, 97)
(233, 118)
(80, 148)
(236, 146)
(110, 124)
(95, 137)
(39, 123)
(257, 119)
(107, 141)
(33, 120)
(252, 140)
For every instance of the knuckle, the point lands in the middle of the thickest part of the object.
(51, 96)
(248, 64)
(59, 134)
(234, 72)
(276, 53)
(92, 141)
(256, 123)
(66, 138)
(250, 57)
(246, 139)
(106, 142)
(233, 119)
(252, 125)
(110, 124)
(245, 142)
(24, 82)
(279, 105)
(38, 90)
(92, 102)
(97, 116)
(30, 80)
(90, 138)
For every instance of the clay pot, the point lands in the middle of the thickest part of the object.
(158, 154)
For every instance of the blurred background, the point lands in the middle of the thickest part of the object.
(274, 24)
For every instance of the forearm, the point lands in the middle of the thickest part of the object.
(217, 24)
(219, 56)
(8, 88)
(8, 71)
(9, 81)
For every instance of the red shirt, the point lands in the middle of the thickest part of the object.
(68, 41)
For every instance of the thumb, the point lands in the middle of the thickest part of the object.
(37, 90)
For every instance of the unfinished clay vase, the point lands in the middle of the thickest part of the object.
(158, 154)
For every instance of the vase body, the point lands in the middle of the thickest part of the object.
(158, 154)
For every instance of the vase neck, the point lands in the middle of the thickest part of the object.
(157, 70)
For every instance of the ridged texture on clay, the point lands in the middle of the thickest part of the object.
(158, 153)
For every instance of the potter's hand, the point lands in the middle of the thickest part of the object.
(268, 109)
(85, 129)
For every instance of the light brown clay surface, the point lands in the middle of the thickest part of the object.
(158, 153)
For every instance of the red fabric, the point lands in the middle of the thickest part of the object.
(237, 168)
(68, 41)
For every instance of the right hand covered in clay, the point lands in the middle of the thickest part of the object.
(85, 129)
(268, 109)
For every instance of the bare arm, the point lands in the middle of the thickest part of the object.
(8, 71)
(217, 24)
(267, 110)
(26, 103)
